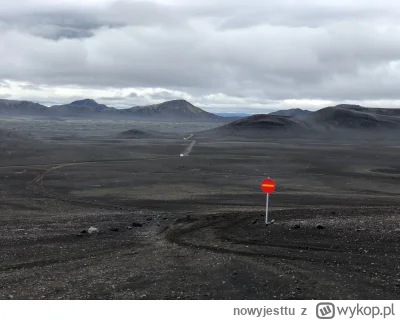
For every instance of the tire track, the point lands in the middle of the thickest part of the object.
(36, 185)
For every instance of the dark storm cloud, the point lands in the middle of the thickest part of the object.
(52, 25)
(81, 23)
(250, 51)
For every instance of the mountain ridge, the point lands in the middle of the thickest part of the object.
(172, 110)
(329, 120)
(346, 116)
(295, 112)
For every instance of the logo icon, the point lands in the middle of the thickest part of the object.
(325, 310)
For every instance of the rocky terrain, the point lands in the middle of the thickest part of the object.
(89, 214)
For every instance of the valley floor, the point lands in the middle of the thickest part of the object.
(192, 227)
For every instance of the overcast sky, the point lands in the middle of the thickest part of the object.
(222, 55)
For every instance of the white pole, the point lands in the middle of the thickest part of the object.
(266, 209)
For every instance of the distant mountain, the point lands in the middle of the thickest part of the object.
(14, 108)
(291, 112)
(259, 126)
(173, 110)
(343, 116)
(355, 118)
(339, 121)
(233, 114)
(89, 103)
(79, 108)
(381, 111)
(349, 106)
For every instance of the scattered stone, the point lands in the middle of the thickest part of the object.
(84, 231)
(143, 296)
(296, 226)
(333, 213)
(79, 235)
(320, 226)
(149, 219)
(164, 218)
(93, 230)
(254, 221)
(10, 296)
(158, 224)
(129, 227)
(114, 229)
(137, 224)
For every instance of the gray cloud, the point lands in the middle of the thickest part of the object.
(166, 95)
(59, 23)
(4, 84)
(251, 52)
(133, 95)
(112, 99)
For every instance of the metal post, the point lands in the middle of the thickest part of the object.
(266, 209)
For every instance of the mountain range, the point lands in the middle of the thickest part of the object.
(330, 120)
(292, 121)
(174, 110)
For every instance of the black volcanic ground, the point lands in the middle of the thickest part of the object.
(191, 227)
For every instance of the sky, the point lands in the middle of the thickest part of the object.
(221, 55)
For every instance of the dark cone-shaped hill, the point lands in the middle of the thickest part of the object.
(352, 118)
(174, 110)
(134, 134)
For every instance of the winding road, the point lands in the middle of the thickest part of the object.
(189, 148)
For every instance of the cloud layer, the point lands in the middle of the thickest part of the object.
(221, 54)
